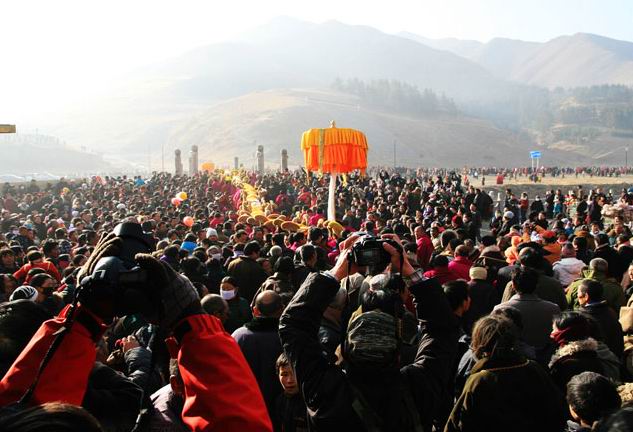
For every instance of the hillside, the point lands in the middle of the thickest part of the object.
(504, 57)
(578, 60)
(276, 119)
(44, 155)
(462, 47)
(291, 53)
(225, 96)
(139, 115)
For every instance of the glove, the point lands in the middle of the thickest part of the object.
(176, 296)
(108, 245)
(102, 306)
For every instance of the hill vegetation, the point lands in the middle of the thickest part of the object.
(397, 96)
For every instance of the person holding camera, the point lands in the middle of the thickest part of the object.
(221, 393)
(371, 392)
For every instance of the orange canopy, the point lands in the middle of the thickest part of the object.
(334, 150)
(207, 166)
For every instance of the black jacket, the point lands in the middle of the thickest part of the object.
(610, 327)
(329, 391)
(259, 342)
(112, 398)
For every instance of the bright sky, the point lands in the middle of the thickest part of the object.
(54, 52)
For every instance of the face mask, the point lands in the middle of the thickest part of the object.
(217, 257)
(227, 295)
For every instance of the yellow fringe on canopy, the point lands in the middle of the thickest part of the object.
(334, 150)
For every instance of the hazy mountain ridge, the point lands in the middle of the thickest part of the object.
(225, 96)
(582, 59)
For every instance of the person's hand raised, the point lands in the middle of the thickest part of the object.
(398, 257)
(341, 268)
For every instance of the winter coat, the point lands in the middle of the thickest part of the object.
(137, 363)
(610, 327)
(483, 298)
(492, 402)
(249, 276)
(611, 365)
(239, 314)
(537, 317)
(167, 407)
(547, 288)
(460, 267)
(568, 270)
(613, 292)
(279, 282)
(259, 342)
(109, 391)
(204, 410)
(573, 358)
(441, 274)
(291, 412)
(333, 396)
(612, 257)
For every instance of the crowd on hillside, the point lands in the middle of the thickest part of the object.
(226, 301)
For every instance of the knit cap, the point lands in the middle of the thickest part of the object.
(371, 338)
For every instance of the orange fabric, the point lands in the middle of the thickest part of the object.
(64, 378)
(344, 150)
(221, 393)
(555, 250)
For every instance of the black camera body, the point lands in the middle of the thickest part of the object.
(369, 252)
(118, 278)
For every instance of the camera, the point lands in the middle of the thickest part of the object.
(118, 278)
(369, 252)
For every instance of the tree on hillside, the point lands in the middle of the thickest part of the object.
(397, 96)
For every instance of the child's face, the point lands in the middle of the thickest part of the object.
(288, 381)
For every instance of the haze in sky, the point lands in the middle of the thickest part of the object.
(55, 53)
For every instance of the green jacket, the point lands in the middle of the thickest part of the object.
(508, 395)
(613, 292)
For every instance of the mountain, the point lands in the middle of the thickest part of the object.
(225, 96)
(579, 60)
(462, 47)
(504, 57)
(290, 53)
(277, 118)
(138, 116)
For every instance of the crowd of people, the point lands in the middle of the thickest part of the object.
(238, 312)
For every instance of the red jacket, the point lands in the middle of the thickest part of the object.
(424, 251)
(460, 267)
(443, 275)
(47, 266)
(221, 393)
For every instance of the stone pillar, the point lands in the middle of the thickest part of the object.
(193, 160)
(178, 163)
(284, 160)
(236, 162)
(260, 159)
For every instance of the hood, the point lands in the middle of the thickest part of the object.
(573, 265)
(574, 347)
